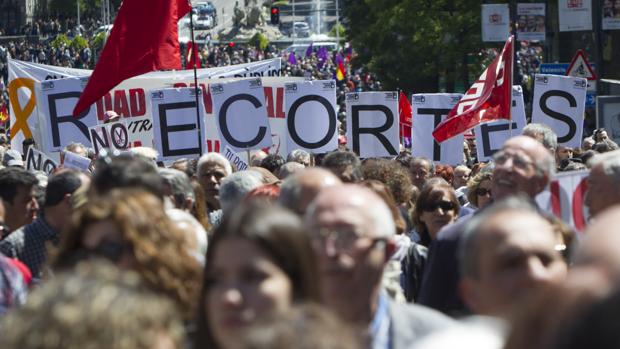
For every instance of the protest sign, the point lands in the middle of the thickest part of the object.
(531, 21)
(109, 136)
(38, 161)
(575, 15)
(372, 123)
(312, 121)
(491, 136)
(495, 22)
(127, 99)
(564, 198)
(428, 111)
(73, 160)
(57, 125)
(235, 159)
(611, 16)
(559, 102)
(178, 123)
(241, 116)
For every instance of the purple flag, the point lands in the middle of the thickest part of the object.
(309, 51)
(291, 58)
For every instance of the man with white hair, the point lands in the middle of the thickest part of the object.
(211, 169)
(353, 236)
(603, 182)
(178, 188)
(235, 187)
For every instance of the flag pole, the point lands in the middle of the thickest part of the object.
(194, 57)
(512, 71)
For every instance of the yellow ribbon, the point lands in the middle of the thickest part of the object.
(21, 114)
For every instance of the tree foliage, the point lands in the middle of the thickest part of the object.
(409, 44)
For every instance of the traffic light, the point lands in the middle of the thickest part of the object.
(275, 15)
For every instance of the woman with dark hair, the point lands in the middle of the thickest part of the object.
(436, 207)
(259, 262)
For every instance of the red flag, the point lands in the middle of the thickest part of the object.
(191, 56)
(144, 38)
(405, 113)
(488, 99)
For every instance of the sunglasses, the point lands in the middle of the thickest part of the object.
(483, 191)
(444, 205)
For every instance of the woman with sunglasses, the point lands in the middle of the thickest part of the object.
(436, 207)
(479, 191)
(259, 263)
(131, 229)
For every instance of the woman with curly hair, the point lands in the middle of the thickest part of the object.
(131, 228)
(479, 190)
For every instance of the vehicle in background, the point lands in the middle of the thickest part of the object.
(301, 29)
(207, 15)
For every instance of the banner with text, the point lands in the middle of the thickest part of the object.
(491, 136)
(531, 22)
(429, 109)
(178, 123)
(575, 15)
(311, 117)
(564, 198)
(372, 123)
(38, 161)
(495, 22)
(559, 102)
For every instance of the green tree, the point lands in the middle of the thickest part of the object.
(410, 44)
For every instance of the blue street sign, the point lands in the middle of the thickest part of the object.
(590, 99)
(560, 69)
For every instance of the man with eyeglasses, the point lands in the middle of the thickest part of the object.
(522, 167)
(353, 236)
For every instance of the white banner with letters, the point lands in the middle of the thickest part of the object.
(491, 136)
(241, 115)
(564, 198)
(128, 99)
(429, 109)
(178, 123)
(109, 136)
(372, 123)
(559, 102)
(312, 119)
(38, 161)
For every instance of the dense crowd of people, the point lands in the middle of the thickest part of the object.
(308, 250)
(311, 250)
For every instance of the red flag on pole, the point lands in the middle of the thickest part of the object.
(191, 56)
(144, 38)
(405, 114)
(488, 99)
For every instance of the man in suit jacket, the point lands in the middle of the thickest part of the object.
(353, 234)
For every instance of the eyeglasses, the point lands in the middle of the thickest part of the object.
(444, 205)
(343, 240)
(483, 191)
(518, 161)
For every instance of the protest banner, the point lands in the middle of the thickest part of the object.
(372, 123)
(73, 160)
(531, 21)
(495, 22)
(58, 127)
(109, 136)
(430, 109)
(312, 120)
(491, 136)
(178, 123)
(37, 161)
(559, 102)
(235, 159)
(127, 99)
(241, 115)
(575, 15)
(564, 198)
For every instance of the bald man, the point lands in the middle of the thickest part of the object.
(299, 189)
(353, 236)
(522, 167)
(598, 250)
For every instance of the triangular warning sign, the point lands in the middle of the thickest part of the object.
(580, 67)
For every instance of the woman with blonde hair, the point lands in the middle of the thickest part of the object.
(131, 228)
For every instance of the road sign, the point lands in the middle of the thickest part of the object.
(562, 68)
(580, 67)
